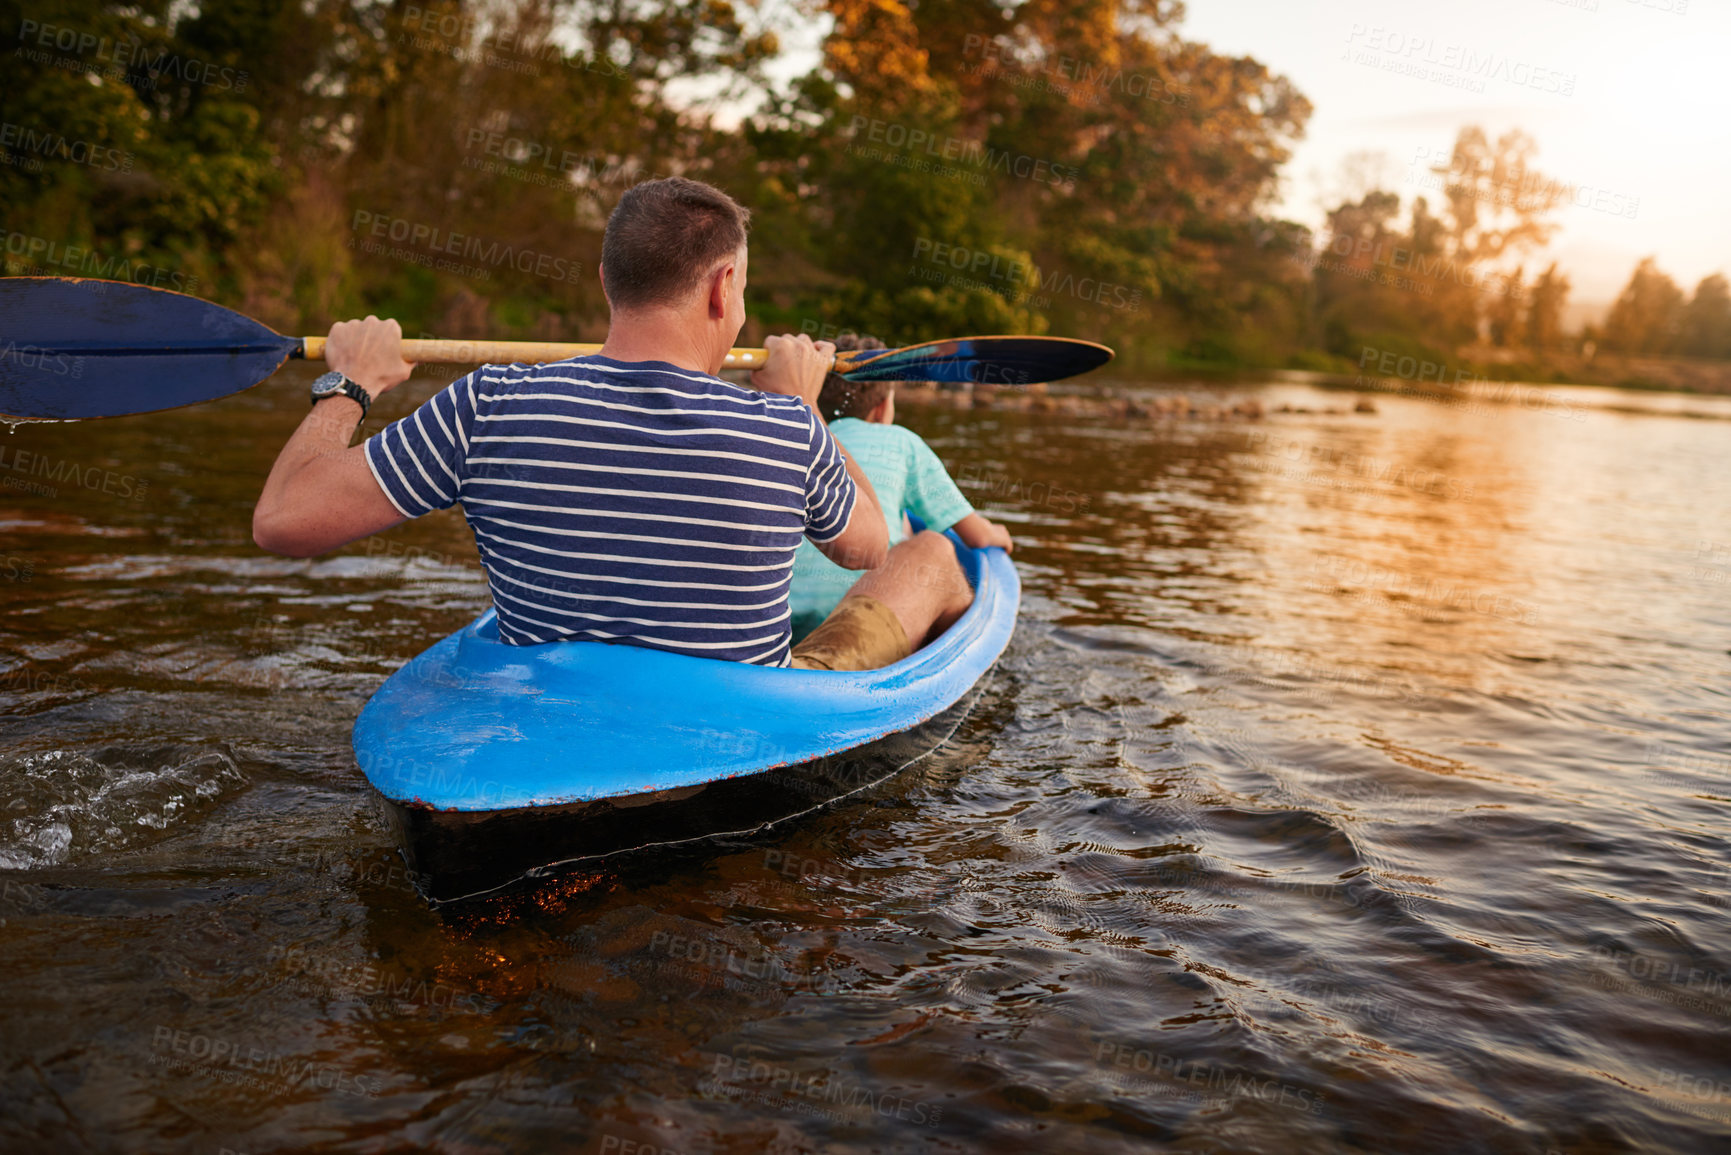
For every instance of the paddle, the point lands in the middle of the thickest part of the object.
(72, 348)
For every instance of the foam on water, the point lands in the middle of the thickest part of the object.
(63, 805)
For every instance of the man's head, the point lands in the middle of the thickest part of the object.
(675, 250)
(861, 399)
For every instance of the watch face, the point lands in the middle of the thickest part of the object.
(328, 384)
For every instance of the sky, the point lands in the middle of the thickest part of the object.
(1647, 125)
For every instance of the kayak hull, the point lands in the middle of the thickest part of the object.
(501, 761)
(458, 854)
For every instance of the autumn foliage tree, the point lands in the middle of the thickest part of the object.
(1647, 314)
(1705, 330)
(1436, 279)
(1544, 318)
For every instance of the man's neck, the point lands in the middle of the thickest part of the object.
(659, 336)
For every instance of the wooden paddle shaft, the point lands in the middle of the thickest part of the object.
(505, 352)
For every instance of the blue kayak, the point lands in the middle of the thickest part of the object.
(504, 761)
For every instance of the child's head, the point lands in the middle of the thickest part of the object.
(844, 398)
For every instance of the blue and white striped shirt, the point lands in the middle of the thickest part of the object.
(628, 502)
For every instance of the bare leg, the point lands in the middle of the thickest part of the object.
(922, 584)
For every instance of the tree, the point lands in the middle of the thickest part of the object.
(1646, 314)
(1706, 324)
(1544, 321)
(1497, 201)
(1129, 168)
(1506, 312)
(1423, 284)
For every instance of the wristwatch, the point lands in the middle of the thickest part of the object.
(334, 384)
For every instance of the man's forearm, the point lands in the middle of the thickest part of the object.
(326, 430)
(293, 512)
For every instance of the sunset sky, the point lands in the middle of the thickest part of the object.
(1649, 116)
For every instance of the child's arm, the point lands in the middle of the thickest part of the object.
(933, 495)
(980, 532)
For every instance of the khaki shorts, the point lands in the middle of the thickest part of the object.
(860, 634)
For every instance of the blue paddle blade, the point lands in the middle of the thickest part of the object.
(72, 348)
(979, 361)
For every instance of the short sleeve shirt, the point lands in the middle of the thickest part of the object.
(626, 502)
(906, 475)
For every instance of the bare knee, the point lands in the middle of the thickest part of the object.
(935, 567)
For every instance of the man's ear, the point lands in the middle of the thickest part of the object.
(721, 289)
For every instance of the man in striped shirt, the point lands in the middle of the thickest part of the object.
(630, 497)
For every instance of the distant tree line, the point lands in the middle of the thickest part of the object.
(949, 166)
(1652, 315)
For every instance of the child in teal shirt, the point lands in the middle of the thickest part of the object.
(903, 470)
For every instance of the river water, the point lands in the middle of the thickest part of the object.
(1354, 781)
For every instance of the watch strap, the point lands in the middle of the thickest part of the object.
(351, 390)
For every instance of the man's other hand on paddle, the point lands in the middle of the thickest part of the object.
(320, 493)
(796, 367)
(369, 353)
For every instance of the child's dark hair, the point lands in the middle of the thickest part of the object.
(844, 398)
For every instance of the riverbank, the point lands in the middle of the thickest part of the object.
(1522, 366)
